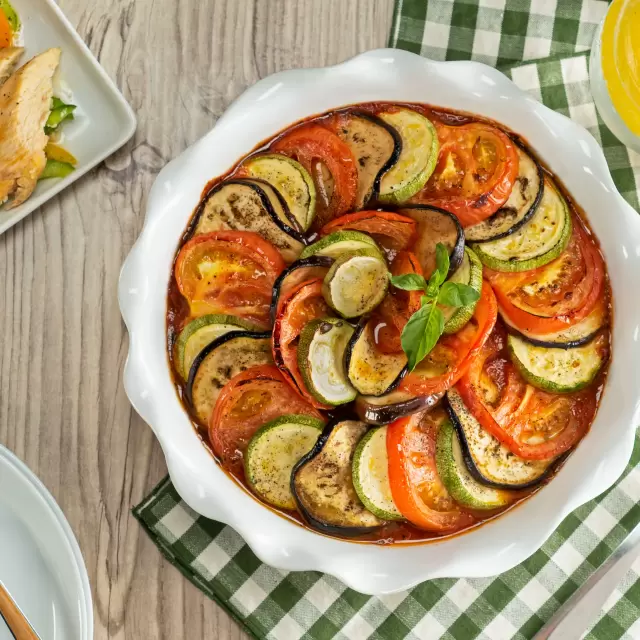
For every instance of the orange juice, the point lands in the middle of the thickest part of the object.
(615, 71)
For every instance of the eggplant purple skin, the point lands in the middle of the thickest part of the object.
(209, 348)
(457, 254)
(572, 344)
(384, 414)
(312, 521)
(475, 472)
(266, 203)
(534, 205)
(348, 352)
(311, 261)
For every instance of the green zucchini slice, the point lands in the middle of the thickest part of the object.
(487, 459)
(225, 357)
(518, 209)
(321, 352)
(356, 283)
(469, 273)
(371, 475)
(272, 453)
(202, 331)
(291, 180)
(453, 472)
(339, 242)
(556, 369)
(416, 161)
(542, 239)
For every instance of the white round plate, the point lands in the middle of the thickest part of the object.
(40, 564)
(263, 110)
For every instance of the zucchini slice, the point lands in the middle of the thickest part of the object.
(518, 209)
(339, 242)
(291, 180)
(371, 475)
(417, 159)
(469, 273)
(202, 331)
(455, 476)
(356, 283)
(375, 145)
(384, 409)
(487, 459)
(272, 453)
(573, 336)
(370, 371)
(556, 369)
(322, 483)
(218, 362)
(436, 225)
(295, 274)
(542, 239)
(321, 352)
(245, 205)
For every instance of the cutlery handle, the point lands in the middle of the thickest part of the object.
(14, 618)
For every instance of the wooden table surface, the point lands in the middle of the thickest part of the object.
(63, 409)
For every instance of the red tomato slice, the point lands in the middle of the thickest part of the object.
(477, 167)
(229, 272)
(532, 423)
(453, 354)
(6, 33)
(391, 230)
(248, 401)
(320, 150)
(417, 490)
(300, 306)
(398, 305)
(557, 295)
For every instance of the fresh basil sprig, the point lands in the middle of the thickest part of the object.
(425, 326)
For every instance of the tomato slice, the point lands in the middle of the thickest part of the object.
(557, 295)
(477, 167)
(397, 306)
(391, 230)
(330, 162)
(6, 33)
(532, 423)
(453, 354)
(229, 272)
(300, 306)
(417, 490)
(246, 402)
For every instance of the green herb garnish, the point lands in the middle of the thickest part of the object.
(425, 326)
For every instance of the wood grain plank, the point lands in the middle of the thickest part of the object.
(62, 343)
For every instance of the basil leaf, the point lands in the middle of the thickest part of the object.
(442, 263)
(421, 333)
(454, 294)
(408, 282)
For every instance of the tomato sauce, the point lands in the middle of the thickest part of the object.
(178, 315)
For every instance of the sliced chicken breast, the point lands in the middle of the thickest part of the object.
(8, 59)
(25, 102)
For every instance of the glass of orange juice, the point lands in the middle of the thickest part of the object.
(614, 71)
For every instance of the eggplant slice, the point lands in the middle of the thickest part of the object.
(379, 410)
(246, 205)
(227, 356)
(376, 147)
(322, 483)
(436, 225)
(518, 209)
(370, 371)
(488, 460)
(296, 273)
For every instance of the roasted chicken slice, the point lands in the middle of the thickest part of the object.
(8, 59)
(25, 102)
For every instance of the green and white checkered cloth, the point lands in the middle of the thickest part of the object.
(286, 606)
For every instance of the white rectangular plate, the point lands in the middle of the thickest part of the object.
(104, 121)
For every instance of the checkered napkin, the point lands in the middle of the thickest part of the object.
(286, 606)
